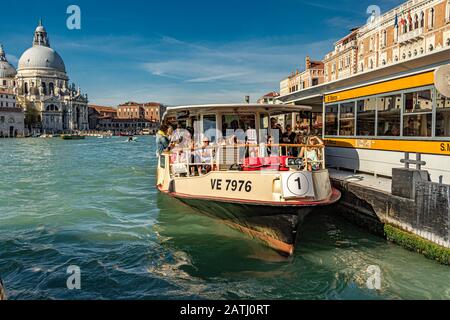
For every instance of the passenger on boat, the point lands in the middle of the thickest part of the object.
(204, 155)
(288, 137)
(393, 131)
(162, 140)
(312, 153)
(276, 129)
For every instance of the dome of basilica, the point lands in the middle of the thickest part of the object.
(41, 56)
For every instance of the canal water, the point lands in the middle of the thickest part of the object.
(92, 203)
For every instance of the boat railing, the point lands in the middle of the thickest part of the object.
(189, 160)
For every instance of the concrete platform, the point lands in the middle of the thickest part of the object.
(365, 180)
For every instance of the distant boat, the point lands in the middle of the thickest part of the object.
(72, 137)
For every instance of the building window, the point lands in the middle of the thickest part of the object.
(416, 21)
(347, 119)
(389, 109)
(384, 38)
(448, 41)
(447, 11)
(431, 18)
(422, 19)
(430, 48)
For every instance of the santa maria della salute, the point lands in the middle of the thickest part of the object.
(39, 92)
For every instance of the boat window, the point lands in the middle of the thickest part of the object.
(418, 102)
(418, 109)
(331, 120)
(347, 119)
(442, 116)
(210, 127)
(366, 117)
(389, 115)
(417, 125)
(240, 126)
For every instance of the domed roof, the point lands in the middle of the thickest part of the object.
(6, 69)
(41, 57)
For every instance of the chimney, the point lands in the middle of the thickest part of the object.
(308, 62)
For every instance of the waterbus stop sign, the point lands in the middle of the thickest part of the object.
(442, 80)
(297, 184)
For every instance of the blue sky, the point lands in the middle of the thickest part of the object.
(181, 52)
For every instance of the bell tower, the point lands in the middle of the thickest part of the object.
(40, 36)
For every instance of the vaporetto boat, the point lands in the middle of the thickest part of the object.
(229, 165)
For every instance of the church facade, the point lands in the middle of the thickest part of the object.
(42, 89)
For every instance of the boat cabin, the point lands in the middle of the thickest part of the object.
(242, 137)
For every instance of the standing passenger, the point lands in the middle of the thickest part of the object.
(162, 140)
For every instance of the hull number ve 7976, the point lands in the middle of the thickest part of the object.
(231, 185)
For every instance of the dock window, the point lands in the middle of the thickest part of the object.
(366, 117)
(347, 119)
(418, 114)
(389, 115)
(331, 120)
(442, 116)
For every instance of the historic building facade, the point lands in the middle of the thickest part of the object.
(313, 75)
(98, 113)
(269, 98)
(410, 31)
(151, 111)
(42, 86)
(342, 61)
(11, 116)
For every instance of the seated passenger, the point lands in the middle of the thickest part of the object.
(312, 154)
(204, 155)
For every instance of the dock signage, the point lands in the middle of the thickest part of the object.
(297, 185)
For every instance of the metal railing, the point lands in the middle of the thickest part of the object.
(222, 157)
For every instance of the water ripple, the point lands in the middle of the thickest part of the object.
(93, 204)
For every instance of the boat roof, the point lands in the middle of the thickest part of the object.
(272, 109)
